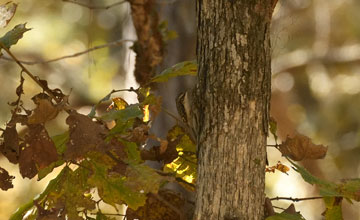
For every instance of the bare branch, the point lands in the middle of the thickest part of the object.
(98, 7)
(24, 69)
(301, 58)
(296, 199)
(114, 43)
(94, 6)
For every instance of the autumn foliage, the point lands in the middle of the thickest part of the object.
(103, 162)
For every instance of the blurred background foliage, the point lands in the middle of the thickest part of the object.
(316, 78)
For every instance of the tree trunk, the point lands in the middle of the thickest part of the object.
(233, 96)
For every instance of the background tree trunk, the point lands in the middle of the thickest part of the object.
(233, 94)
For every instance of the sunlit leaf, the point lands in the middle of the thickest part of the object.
(185, 165)
(118, 104)
(132, 111)
(279, 166)
(180, 69)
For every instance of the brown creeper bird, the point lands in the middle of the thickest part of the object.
(184, 104)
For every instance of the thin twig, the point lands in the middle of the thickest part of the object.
(45, 88)
(106, 7)
(277, 207)
(114, 43)
(115, 214)
(94, 7)
(296, 199)
(273, 145)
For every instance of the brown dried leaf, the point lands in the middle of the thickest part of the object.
(291, 209)
(37, 152)
(85, 135)
(10, 147)
(149, 47)
(19, 92)
(139, 134)
(7, 12)
(301, 147)
(45, 110)
(279, 166)
(5, 180)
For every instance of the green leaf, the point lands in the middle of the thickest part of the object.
(180, 69)
(130, 112)
(326, 188)
(350, 189)
(333, 208)
(93, 109)
(112, 190)
(143, 178)
(185, 143)
(185, 165)
(22, 210)
(60, 142)
(273, 128)
(285, 216)
(132, 152)
(121, 127)
(74, 186)
(45, 171)
(13, 36)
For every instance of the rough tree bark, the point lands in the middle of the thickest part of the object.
(232, 96)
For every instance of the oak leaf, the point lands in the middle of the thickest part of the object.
(84, 135)
(37, 152)
(44, 111)
(5, 180)
(301, 147)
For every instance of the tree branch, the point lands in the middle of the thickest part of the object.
(114, 43)
(24, 69)
(96, 7)
(296, 199)
(301, 58)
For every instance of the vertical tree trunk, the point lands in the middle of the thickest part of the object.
(233, 94)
